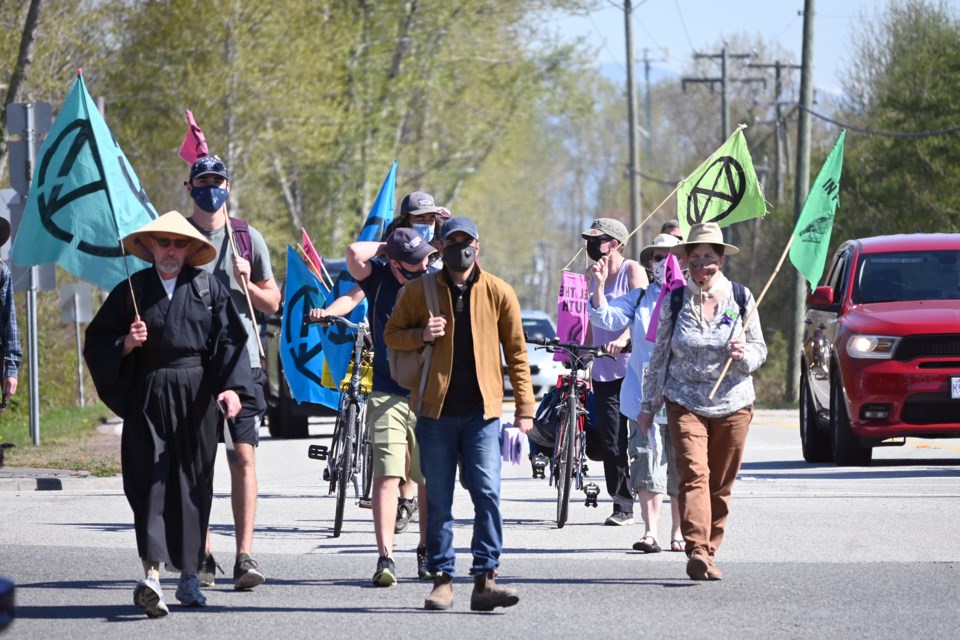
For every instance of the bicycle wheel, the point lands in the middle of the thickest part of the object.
(565, 460)
(365, 461)
(345, 466)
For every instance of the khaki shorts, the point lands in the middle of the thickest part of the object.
(657, 474)
(393, 426)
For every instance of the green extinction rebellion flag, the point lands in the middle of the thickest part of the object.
(724, 189)
(811, 237)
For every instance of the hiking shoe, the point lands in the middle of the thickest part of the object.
(149, 596)
(619, 519)
(246, 573)
(423, 566)
(405, 511)
(208, 571)
(386, 574)
(698, 566)
(188, 591)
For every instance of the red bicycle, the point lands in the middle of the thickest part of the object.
(569, 448)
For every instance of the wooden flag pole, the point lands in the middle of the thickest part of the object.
(243, 283)
(756, 305)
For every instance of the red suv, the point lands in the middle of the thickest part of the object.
(881, 348)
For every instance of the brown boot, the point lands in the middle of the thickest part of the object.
(713, 571)
(487, 595)
(441, 598)
(698, 565)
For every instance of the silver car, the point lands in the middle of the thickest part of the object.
(544, 370)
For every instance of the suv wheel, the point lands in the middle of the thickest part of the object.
(847, 449)
(814, 442)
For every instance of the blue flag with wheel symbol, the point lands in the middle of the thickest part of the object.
(301, 350)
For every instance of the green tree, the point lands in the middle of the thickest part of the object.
(905, 78)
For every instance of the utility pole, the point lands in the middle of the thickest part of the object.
(778, 68)
(800, 194)
(633, 169)
(724, 80)
(647, 111)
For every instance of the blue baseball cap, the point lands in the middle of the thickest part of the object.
(207, 165)
(461, 223)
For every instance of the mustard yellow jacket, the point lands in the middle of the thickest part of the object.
(495, 320)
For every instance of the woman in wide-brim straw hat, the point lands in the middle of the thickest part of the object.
(164, 370)
(691, 349)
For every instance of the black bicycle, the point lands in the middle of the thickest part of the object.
(569, 450)
(350, 454)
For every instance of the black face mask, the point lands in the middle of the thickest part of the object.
(459, 257)
(409, 275)
(593, 250)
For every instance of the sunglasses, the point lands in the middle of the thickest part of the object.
(164, 243)
(659, 258)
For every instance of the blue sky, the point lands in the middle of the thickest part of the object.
(685, 26)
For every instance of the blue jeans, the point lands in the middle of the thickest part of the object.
(477, 441)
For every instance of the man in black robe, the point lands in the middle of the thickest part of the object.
(163, 364)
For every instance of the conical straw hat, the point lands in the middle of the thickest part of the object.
(170, 223)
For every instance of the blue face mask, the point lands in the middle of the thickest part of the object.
(209, 198)
(425, 230)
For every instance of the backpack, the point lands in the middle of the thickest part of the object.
(241, 235)
(676, 301)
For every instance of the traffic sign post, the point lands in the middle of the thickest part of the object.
(28, 120)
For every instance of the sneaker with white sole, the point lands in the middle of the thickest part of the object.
(208, 571)
(406, 509)
(619, 519)
(246, 573)
(188, 591)
(149, 596)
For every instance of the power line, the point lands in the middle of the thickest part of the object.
(882, 134)
(684, 25)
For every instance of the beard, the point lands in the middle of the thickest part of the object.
(169, 266)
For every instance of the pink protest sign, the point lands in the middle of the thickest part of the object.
(571, 310)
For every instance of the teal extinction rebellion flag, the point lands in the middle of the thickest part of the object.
(337, 340)
(300, 348)
(811, 237)
(84, 198)
(723, 189)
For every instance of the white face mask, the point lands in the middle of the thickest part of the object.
(659, 271)
(425, 230)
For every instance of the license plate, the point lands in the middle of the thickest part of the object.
(955, 388)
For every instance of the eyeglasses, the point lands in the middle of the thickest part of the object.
(702, 262)
(164, 243)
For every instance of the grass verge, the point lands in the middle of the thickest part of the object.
(68, 440)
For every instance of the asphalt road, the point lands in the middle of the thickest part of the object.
(811, 551)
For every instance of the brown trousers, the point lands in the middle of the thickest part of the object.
(709, 451)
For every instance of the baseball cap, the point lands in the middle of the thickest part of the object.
(408, 246)
(417, 203)
(606, 227)
(460, 223)
(208, 165)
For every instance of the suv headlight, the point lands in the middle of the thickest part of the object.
(879, 347)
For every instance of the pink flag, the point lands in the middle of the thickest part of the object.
(194, 144)
(314, 260)
(571, 310)
(672, 279)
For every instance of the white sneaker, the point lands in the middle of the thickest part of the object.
(188, 591)
(149, 596)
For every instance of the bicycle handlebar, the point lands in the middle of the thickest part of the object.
(341, 320)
